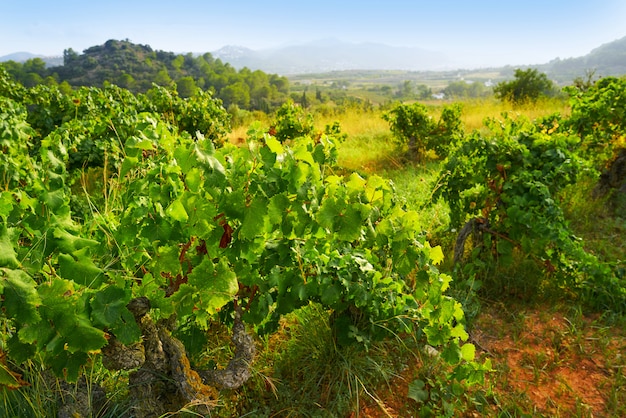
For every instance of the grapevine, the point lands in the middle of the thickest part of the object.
(187, 229)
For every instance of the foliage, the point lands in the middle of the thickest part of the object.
(505, 186)
(463, 90)
(414, 127)
(292, 122)
(528, 86)
(598, 118)
(200, 232)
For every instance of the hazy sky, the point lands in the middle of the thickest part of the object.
(474, 33)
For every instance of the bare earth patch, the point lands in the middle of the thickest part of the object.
(546, 363)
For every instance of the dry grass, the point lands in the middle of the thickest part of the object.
(476, 111)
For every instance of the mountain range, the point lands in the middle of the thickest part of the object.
(334, 55)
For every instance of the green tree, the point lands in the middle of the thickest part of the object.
(237, 93)
(527, 86)
(162, 78)
(186, 87)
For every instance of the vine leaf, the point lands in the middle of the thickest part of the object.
(107, 305)
(80, 268)
(254, 219)
(8, 257)
(177, 211)
(19, 294)
(468, 351)
(418, 391)
(68, 242)
(217, 284)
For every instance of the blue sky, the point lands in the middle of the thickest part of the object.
(474, 33)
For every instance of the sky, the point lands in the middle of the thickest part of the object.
(471, 33)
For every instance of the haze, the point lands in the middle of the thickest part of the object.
(470, 33)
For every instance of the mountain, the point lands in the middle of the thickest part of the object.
(333, 55)
(606, 60)
(25, 56)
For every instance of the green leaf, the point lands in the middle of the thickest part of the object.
(184, 300)
(193, 179)
(126, 329)
(418, 391)
(208, 159)
(254, 219)
(20, 298)
(331, 294)
(79, 268)
(6, 203)
(68, 365)
(277, 207)
(68, 242)
(8, 256)
(329, 211)
(468, 351)
(303, 154)
(39, 334)
(128, 164)
(436, 254)
(217, 285)
(349, 224)
(177, 211)
(20, 351)
(505, 247)
(108, 304)
(54, 199)
(79, 333)
(451, 354)
(274, 145)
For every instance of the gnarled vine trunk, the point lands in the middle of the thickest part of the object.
(614, 178)
(164, 380)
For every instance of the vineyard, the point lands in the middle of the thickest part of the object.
(152, 265)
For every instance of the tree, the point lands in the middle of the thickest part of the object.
(186, 87)
(237, 93)
(527, 86)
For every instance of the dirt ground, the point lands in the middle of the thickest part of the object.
(547, 362)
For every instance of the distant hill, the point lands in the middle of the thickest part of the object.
(25, 56)
(333, 55)
(606, 60)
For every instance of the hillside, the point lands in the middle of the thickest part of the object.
(136, 67)
(606, 60)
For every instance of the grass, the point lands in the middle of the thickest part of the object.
(302, 372)
(476, 111)
(48, 396)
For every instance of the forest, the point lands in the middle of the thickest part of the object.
(168, 252)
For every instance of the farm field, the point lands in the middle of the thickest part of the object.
(322, 261)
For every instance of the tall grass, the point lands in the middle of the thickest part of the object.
(302, 372)
(475, 111)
